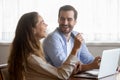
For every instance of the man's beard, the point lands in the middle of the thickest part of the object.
(64, 27)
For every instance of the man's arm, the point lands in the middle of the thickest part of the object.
(84, 55)
(54, 49)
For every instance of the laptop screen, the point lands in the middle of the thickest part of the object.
(108, 65)
(109, 62)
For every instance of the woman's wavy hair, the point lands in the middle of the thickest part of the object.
(23, 45)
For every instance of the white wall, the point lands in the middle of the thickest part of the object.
(95, 48)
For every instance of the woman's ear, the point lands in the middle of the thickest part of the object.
(34, 30)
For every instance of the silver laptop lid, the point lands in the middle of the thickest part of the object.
(109, 62)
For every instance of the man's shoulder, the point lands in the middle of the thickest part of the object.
(54, 34)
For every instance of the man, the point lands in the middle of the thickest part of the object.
(59, 43)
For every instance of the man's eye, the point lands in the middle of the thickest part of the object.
(62, 19)
(69, 19)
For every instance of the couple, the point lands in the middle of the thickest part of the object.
(27, 57)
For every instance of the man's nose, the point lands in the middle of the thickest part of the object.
(65, 22)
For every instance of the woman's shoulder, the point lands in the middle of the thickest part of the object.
(33, 56)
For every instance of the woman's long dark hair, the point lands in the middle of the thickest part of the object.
(23, 44)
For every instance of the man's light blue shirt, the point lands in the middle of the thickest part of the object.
(55, 48)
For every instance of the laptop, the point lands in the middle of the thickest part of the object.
(108, 65)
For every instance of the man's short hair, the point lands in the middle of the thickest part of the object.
(68, 8)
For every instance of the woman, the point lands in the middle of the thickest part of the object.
(27, 61)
